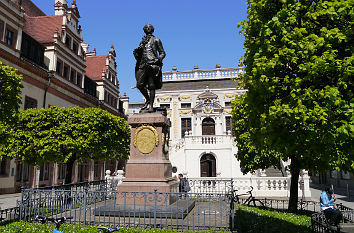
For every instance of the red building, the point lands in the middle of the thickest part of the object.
(57, 69)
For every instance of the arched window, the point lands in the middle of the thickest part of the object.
(208, 126)
(208, 166)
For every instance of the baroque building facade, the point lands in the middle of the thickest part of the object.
(202, 147)
(57, 70)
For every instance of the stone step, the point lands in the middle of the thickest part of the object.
(273, 172)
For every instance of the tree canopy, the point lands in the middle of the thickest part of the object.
(299, 80)
(10, 90)
(10, 99)
(63, 135)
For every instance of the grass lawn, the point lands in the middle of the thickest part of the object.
(256, 220)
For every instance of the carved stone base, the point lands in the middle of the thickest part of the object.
(148, 168)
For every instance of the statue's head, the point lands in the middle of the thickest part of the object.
(148, 29)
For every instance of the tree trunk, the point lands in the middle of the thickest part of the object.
(295, 171)
(69, 169)
(68, 176)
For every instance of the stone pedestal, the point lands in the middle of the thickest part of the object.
(148, 168)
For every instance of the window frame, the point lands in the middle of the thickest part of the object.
(186, 125)
(72, 77)
(30, 103)
(60, 63)
(5, 167)
(68, 41)
(228, 123)
(78, 79)
(165, 106)
(7, 40)
(66, 70)
(186, 105)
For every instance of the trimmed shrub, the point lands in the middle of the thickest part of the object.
(253, 219)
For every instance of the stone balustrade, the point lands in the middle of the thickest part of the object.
(224, 73)
(269, 187)
(207, 139)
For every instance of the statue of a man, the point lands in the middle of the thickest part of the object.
(148, 74)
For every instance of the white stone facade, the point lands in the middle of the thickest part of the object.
(202, 147)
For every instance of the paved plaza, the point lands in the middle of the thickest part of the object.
(9, 200)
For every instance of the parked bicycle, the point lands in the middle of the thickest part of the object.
(249, 200)
(59, 221)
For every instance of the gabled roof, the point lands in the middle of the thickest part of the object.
(42, 28)
(31, 9)
(95, 65)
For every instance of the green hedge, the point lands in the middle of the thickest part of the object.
(25, 227)
(253, 219)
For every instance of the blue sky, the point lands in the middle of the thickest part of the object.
(193, 32)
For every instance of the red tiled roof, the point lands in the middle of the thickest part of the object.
(31, 9)
(42, 28)
(95, 66)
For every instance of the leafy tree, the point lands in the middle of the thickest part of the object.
(299, 77)
(10, 90)
(64, 135)
(10, 99)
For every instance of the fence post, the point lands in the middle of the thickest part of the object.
(21, 203)
(232, 210)
(85, 203)
(155, 206)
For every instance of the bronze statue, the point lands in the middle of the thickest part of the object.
(148, 69)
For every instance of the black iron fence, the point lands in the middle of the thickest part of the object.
(276, 204)
(13, 214)
(192, 211)
(91, 185)
(9, 215)
(213, 207)
(320, 223)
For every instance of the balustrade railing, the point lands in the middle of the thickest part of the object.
(262, 186)
(202, 74)
(207, 139)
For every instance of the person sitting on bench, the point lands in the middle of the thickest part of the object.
(327, 206)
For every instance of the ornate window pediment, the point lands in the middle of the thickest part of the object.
(208, 103)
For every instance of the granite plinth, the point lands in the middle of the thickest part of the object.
(179, 209)
(148, 171)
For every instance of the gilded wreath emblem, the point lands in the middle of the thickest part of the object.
(146, 139)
